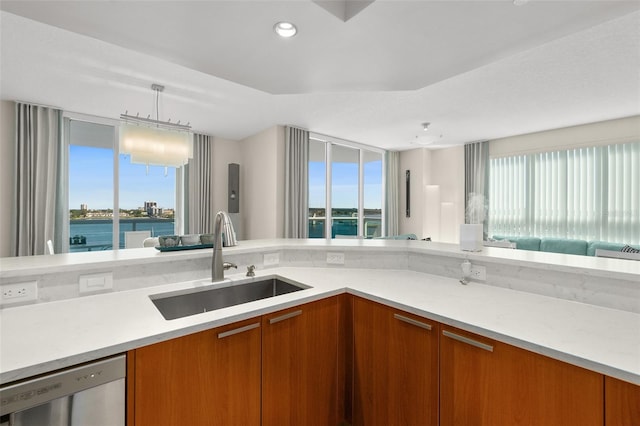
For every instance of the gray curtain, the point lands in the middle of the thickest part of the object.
(198, 172)
(476, 172)
(391, 197)
(296, 195)
(40, 159)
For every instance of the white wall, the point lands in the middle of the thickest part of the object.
(418, 162)
(223, 152)
(7, 173)
(602, 133)
(441, 167)
(447, 171)
(262, 184)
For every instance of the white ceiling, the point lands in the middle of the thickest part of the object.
(474, 69)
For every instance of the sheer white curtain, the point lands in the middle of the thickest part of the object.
(296, 210)
(509, 196)
(476, 177)
(198, 182)
(587, 193)
(623, 197)
(38, 208)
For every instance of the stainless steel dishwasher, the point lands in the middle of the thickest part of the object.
(89, 395)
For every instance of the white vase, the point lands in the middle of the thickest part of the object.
(471, 236)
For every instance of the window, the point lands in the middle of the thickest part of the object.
(344, 191)
(372, 176)
(103, 182)
(317, 189)
(586, 193)
(346, 180)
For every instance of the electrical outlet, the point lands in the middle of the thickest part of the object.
(93, 283)
(271, 259)
(478, 273)
(335, 258)
(19, 293)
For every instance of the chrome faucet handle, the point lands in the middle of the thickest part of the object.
(251, 270)
(229, 265)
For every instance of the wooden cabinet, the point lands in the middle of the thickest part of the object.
(300, 368)
(348, 358)
(395, 367)
(484, 382)
(206, 378)
(622, 403)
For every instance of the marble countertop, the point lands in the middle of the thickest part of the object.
(594, 266)
(44, 337)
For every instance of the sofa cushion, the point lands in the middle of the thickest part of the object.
(522, 243)
(562, 245)
(602, 245)
(399, 237)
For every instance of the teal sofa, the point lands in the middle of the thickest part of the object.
(399, 237)
(561, 245)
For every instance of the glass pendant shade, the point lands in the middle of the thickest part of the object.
(156, 146)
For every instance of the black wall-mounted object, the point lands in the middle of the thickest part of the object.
(408, 181)
(234, 188)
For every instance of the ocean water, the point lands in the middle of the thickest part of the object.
(101, 232)
(342, 227)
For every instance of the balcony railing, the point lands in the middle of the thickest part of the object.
(344, 226)
(97, 234)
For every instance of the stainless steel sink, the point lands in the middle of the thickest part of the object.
(191, 302)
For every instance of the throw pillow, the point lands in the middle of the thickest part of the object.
(629, 249)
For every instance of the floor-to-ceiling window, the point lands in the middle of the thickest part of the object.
(589, 193)
(317, 189)
(346, 180)
(345, 164)
(91, 185)
(372, 193)
(110, 197)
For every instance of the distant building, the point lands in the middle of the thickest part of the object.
(151, 207)
(83, 207)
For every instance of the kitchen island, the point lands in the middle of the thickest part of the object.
(571, 322)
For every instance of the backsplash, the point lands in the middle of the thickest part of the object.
(576, 285)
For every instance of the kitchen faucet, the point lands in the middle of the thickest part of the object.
(222, 226)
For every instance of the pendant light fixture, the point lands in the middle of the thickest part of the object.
(154, 142)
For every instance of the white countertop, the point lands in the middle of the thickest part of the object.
(44, 337)
(594, 266)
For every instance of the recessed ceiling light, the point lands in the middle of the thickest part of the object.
(520, 2)
(285, 29)
(425, 126)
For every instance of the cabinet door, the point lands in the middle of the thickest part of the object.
(300, 366)
(484, 382)
(395, 367)
(206, 378)
(622, 403)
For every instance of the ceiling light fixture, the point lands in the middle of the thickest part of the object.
(425, 126)
(285, 29)
(155, 142)
(520, 2)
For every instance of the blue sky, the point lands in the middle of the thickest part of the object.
(91, 181)
(345, 185)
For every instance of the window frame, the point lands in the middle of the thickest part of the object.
(67, 117)
(330, 142)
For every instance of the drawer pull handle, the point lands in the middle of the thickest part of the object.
(285, 317)
(412, 321)
(238, 330)
(468, 341)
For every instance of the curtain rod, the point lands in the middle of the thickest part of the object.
(37, 104)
